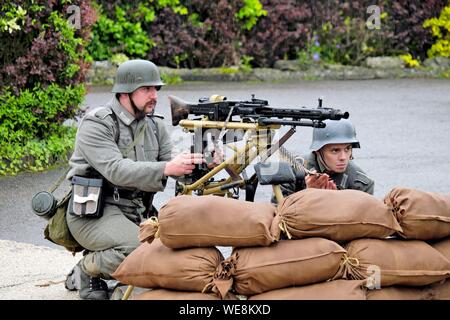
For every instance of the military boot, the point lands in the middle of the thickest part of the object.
(92, 288)
(72, 282)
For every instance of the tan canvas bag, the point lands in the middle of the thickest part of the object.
(191, 221)
(401, 293)
(164, 294)
(443, 247)
(285, 264)
(156, 266)
(339, 215)
(394, 262)
(330, 290)
(422, 215)
(441, 291)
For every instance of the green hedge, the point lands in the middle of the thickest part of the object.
(41, 80)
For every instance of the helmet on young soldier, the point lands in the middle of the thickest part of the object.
(335, 132)
(133, 74)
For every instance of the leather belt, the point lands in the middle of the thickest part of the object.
(125, 194)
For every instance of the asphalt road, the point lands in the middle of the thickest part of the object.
(403, 127)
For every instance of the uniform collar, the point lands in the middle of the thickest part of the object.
(122, 113)
(320, 164)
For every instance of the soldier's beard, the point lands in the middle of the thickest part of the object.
(138, 114)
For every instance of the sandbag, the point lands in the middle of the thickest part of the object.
(339, 215)
(330, 290)
(441, 291)
(285, 264)
(156, 266)
(443, 247)
(401, 293)
(164, 294)
(394, 262)
(422, 215)
(190, 221)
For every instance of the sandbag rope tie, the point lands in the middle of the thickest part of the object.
(283, 227)
(153, 221)
(354, 262)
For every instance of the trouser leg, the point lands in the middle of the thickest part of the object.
(109, 239)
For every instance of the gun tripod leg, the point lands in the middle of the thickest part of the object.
(128, 292)
(277, 191)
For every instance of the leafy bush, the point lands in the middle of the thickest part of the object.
(405, 22)
(118, 35)
(440, 27)
(195, 33)
(339, 33)
(180, 33)
(280, 34)
(31, 127)
(122, 27)
(40, 80)
(207, 37)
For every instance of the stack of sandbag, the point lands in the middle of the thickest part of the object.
(316, 218)
(178, 254)
(337, 243)
(408, 267)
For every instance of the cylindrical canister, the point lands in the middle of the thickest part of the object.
(44, 204)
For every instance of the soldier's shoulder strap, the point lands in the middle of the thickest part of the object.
(152, 123)
(103, 112)
(156, 115)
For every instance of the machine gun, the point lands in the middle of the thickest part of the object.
(256, 124)
(217, 108)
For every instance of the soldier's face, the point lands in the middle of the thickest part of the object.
(337, 156)
(145, 98)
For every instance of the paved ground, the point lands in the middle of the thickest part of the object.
(403, 126)
(34, 272)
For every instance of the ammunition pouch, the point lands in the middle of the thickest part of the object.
(87, 197)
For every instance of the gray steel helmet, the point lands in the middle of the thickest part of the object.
(133, 74)
(336, 131)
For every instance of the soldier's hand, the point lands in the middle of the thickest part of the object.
(183, 163)
(331, 185)
(319, 181)
(217, 159)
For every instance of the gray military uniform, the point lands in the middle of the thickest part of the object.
(353, 178)
(101, 142)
